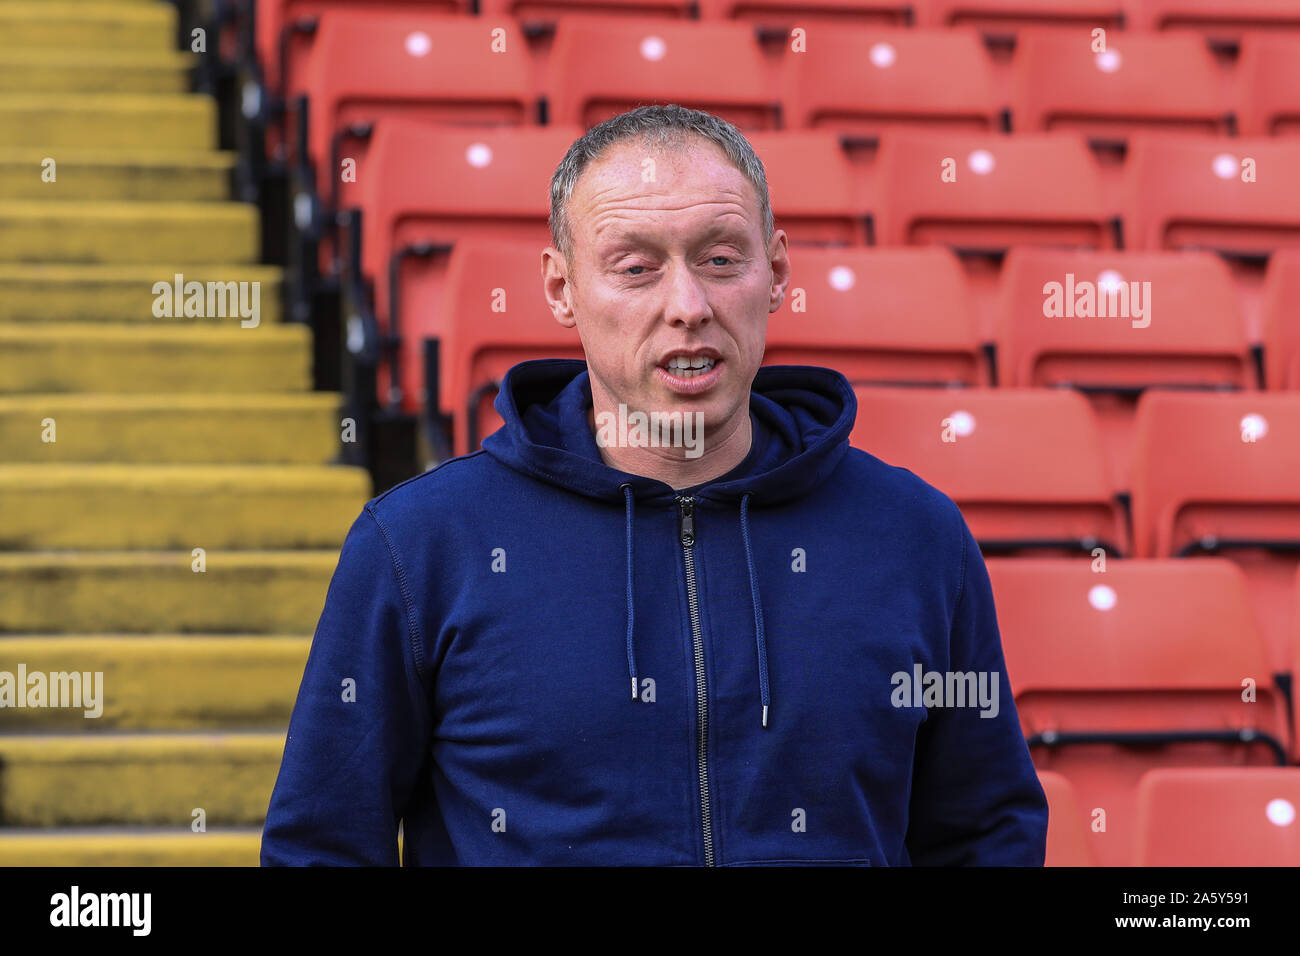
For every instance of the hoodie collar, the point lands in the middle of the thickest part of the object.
(802, 415)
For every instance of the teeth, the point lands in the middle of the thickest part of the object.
(684, 367)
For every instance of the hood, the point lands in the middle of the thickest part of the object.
(807, 412)
(804, 416)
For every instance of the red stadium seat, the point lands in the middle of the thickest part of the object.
(1067, 838)
(429, 187)
(1061, 83)
(1269, 93)
(1282, 321)
(1005, 18)
(811, 188)
(497, 316)
(365, 67)
(1218, 474)
(1139, 667)
(879, 315)
(781, 15)
(1221, 816)
(1190, 333)
(602, 67)
(283, 29)
(1220, 21)
(1035, 189)
(862, 81)
(1024, 465)
(1188, 192)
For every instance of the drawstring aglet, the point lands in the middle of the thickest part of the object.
(765, 715)
(634, 688)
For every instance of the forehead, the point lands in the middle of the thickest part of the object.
(637, 182)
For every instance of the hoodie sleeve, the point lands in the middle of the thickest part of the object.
(360, 729)
(976, 799)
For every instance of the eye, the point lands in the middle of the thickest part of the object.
(726, 260)
(630, 270)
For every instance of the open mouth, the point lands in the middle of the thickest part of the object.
(685, 368)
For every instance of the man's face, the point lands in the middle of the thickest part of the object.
(669, 281)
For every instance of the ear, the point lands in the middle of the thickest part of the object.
(778, 255)
(556, 286)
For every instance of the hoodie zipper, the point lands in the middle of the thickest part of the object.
(687, 505)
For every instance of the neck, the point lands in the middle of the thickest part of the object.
(720, 450)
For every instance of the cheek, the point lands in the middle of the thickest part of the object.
(613, 338)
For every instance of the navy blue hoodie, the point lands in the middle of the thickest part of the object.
(555, 662)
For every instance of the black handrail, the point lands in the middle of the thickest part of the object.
(400, 255)
(1062, 738)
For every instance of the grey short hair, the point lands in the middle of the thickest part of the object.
(658, 126)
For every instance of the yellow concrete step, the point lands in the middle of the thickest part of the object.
(143, 175)
(87, 25)
(161, 592)
(125, 507)
(54, 121)
(52, 292)
(190, 428)
(157, 779)
(39, 231)
(173, 682)
(130, 846)
(105, 358)
(93, 71)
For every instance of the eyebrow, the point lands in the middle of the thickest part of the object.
(623, 242)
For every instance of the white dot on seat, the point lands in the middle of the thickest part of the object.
(883, 55)
(1108, 61)
(1253, 427)
(963, 423)
(981, 162)
(418, 43)
(842, 278)
(479, 155)
(1226, 166)
(653, 48)
(1280, 812)
(1109, 280)
(1102, 597)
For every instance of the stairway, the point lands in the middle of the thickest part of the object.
(178, 533)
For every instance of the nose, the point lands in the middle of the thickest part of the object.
(686, 302)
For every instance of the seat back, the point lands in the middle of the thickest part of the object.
(1185, 192)
(1062, 82)
(1219, 816)
(1217, 474)
(284, 33)
(600, 67)
(879, 315)
(1024, 465)
(436, 186)
(864, 81)
(811, 187)
(365, 67)
(989, 193)
(497, 316)
(1115, 323)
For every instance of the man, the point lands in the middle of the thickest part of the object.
(577, 646)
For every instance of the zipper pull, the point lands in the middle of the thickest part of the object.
(688, 520)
